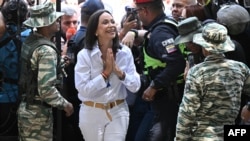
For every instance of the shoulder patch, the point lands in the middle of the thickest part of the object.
(169, 45)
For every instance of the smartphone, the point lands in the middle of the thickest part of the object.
(130, 13)
(131, 16)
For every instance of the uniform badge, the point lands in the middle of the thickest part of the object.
(169, 45)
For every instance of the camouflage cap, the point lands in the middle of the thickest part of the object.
(214, 39)
(42, 15)
(187, 28)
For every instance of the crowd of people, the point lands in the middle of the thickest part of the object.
(154, 76)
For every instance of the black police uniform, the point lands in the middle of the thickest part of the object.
(159, 44)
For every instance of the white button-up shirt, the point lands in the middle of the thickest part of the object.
(90, 83)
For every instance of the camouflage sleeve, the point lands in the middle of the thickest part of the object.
(45, 59)
(188, 108)
(246, 88)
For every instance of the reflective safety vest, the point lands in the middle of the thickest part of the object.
(153, 63)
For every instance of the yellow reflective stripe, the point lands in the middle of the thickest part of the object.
(152, 62)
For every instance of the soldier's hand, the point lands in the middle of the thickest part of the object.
(245, 114)
(149, 93)
(69, 109)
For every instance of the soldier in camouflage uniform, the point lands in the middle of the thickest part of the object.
(213, 89)
(40, 73)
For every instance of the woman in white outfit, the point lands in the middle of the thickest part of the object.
(104, 72)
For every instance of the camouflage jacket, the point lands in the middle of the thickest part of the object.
(44, 64)
(212, 98)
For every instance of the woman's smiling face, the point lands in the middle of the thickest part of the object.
(106, 27)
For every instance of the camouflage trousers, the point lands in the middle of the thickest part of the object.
(35, 123)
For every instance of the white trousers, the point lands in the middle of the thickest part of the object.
(96, 126)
